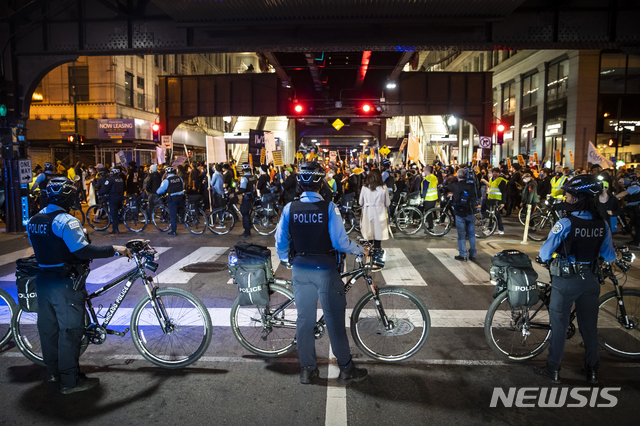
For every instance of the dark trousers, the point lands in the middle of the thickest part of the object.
(495, 206)
(61, 325)
(513, 200)
(426, 206)
(634, 214)
(176, 203)
(317, 277)
(154, 200)
(114, 206)
(245, 209)
(585, 293)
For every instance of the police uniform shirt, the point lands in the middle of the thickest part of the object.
(561, 231)
(633, 190)
(165, 186)
(113, 185)
(244, 184)
(42, 177)
(338, 235)
(63, 226)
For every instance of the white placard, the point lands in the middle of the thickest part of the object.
(24, 167)
(166, 141)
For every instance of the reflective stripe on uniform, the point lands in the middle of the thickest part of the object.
(432, 189)
(556, 186)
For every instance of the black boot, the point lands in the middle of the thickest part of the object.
(553, 375)
(308, 374)
(351, 374)
(590, 372)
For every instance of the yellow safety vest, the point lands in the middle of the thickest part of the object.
(432, 188)
(493, 192)
(556, 186)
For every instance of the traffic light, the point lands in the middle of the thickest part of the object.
(626, 137)
(298, 108)
(71, 138)
(366, 108)
(612, 143)
(500, 134)
(156, 132)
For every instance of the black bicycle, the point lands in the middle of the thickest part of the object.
(131, 214)
(389, 324)
(7, 308)
(519, 334)
(439, 220)
(170, 327)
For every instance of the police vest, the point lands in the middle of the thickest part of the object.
(116, 186)
(432, 188)
(556, 186)
(251, 185)
(493, 192)
(309, 228)
(175, 185)
(49, 248)
(584, 240)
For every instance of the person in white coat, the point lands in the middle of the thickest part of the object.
(374, 199)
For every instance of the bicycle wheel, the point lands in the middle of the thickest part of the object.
(263, 223)
(409, 220)
(24, 326)
(182, 339)
(539, 227)
(98, 218)
(161, 218)
(78, 214)
(615, 336)
(407, 315)
(509, 335)
(486, 224)
(7, 308)
(196, 223)
(441, 222)
(349, 222)
(221, 221)
(263, 332)
(136, 222)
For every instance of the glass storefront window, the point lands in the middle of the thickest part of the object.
(530, 91)
(612, 70)
(509, 98)
(558, 80)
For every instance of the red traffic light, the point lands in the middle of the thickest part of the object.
(612, 142)
(298, 108)
(500, 127)
(155, 127)
(71, 138)
(367, 108)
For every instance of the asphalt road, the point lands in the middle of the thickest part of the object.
(451, 380)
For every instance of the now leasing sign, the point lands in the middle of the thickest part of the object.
(117, 129)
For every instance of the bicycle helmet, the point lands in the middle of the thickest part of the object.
(246, 167)
(115, 170)
(583, 185)
(48, 168)
(310, 176)
(386, 164)
(168, 170)
(62, 192)
(627, 179)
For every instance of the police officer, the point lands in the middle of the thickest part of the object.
(60, 245)
(41, 182)
(311, 230)
(113, 189)
(577, 240)
(174, 186)
(631, 195)
(248, 191)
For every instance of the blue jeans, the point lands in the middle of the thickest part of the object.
(466, 227)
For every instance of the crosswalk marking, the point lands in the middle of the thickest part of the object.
(115, 268)
(469, 273)
(399, 270)
(174, 275)
(15, 255)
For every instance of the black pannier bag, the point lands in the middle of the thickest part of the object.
(269, 204)
(194, 203)
(252, 273)
(134, 203)
(511, 270)
(26, 270)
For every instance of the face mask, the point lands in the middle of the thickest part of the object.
(526, 180)
(424, 174)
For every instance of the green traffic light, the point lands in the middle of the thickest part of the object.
(3, 110)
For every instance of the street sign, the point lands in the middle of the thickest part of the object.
(384, 150)
(24, 168)
(299, 156)
(338, 124)
(166, 141)
(277, 158)
(485, 142)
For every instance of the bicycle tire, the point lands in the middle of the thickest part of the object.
(145, 326)
(349, 222)
(24, 327)
(254, 333)
(135, 222)
(161, 218)
(221, 221)
(485, 225)
(367, 329)
(409, 220)
(263, 224)
(196, 225)
(78, 214)
(441, 220)
(504, 338)
(621, 341)
(542, 225)
(103, 217)
(7, 309)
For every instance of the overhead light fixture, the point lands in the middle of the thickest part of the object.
(391, 85)
(317, 143)
(362, 143)
(366, 140)
(451, 121)
(314, 140)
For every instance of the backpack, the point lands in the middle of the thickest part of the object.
(511, 270)
(462, 206)
(269, 204)
(252, 272)
(26, 270)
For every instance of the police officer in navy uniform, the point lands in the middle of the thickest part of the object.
(579, 239)
(41, 182)
(59, 244)
(248, 191)
(113, 189)
(311, 230)
(174, 186)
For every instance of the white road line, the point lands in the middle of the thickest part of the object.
(115, 268)
(173, 274)
(399, 271)
(468, 273)
(336, 412)
(15, 255)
